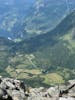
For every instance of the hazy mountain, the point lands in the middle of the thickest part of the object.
(46, 14)
(45, 59)
(12, 14)
(28, 18)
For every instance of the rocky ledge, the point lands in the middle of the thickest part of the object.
(13, 89)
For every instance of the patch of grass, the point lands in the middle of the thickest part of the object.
(53, 78)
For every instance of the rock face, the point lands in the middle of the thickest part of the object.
(53, 93)
(12, 89)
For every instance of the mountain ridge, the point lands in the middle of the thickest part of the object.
(46, 15)
(26, 19)
(59, 30)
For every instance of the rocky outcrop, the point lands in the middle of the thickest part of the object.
(62, 92)
(12, 89)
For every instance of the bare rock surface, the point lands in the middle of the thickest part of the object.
(13, 89)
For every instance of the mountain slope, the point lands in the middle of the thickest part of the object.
(43, 58)
(5, 53)
(46, 59)
(28, 18)
(67, 24)
(12, 14)
(46, 14)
